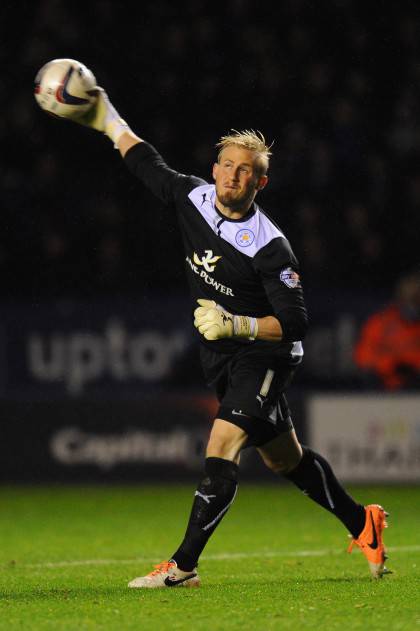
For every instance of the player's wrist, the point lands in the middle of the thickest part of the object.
(245, 326)
(115, 128)
(113, 125)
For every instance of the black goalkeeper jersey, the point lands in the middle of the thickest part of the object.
(246, 265)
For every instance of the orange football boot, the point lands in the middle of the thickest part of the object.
(370, 540)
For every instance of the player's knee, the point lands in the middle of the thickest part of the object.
(219, 448)
(226, 441)
(284, 465)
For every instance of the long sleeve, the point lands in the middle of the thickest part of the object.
(279, 273)
(148, 166)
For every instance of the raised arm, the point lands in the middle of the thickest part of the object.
(127, 141)
(103, 117)
(141, 158)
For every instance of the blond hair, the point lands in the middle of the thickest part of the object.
(251, 140)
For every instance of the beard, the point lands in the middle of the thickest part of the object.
(231, 198)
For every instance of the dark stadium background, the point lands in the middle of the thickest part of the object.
(334, 84)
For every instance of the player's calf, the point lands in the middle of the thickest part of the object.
(213, 497)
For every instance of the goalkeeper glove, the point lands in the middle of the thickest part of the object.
(103, 117)
(214, 322)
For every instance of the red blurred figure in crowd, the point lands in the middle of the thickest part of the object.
(389, 345)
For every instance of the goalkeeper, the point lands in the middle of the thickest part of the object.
(250, 316)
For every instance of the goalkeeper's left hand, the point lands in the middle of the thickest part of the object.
(215, 323)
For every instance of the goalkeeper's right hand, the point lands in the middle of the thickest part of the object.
(103, 117)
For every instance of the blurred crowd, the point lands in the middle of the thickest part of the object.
(388, 349)
(337, 87)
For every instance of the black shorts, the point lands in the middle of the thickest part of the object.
(250, 388)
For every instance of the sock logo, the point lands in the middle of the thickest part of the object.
(206, 498)
(374, 543)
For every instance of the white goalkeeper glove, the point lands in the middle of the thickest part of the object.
(215, 323)
(104, 118)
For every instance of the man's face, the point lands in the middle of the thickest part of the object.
(236, 180)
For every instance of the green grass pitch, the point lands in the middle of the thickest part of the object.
(277, 561)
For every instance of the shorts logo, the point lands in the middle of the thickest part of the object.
(290, 278)
(245, 237)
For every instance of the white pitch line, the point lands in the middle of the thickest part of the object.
(223, 556)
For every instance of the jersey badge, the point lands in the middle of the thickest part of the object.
(290, 278)
(245, 237)
(208, 261)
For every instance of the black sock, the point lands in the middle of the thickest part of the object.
(315, 478)
(213, 497)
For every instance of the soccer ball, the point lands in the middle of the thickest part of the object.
(65, 88)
